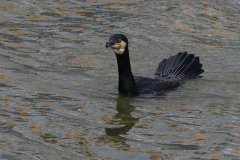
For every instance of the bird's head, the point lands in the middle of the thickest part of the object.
(118, 42)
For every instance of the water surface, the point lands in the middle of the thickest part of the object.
(58, 81)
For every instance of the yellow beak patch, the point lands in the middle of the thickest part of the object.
(117, 46)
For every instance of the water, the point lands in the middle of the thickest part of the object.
(58, 81)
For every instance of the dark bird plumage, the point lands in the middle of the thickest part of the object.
(170, 74)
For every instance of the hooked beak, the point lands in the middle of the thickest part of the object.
(109, 44)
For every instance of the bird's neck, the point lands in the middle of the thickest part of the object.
(126, 83)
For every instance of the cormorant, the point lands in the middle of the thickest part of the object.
(170, 74)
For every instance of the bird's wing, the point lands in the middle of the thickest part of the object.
(156, 84)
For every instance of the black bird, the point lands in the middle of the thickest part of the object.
(170, 74)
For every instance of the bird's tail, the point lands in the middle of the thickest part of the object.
(181, 66)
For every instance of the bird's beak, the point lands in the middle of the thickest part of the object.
(109, 44)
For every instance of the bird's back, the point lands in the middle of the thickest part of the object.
(156, 85)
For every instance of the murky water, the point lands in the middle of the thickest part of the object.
(58, 81)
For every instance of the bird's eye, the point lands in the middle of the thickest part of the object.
(119, 41)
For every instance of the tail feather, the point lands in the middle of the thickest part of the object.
(167, 64)
(177, 65)
(182, 66)
(171, 63)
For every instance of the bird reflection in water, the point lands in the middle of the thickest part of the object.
(123, 118)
